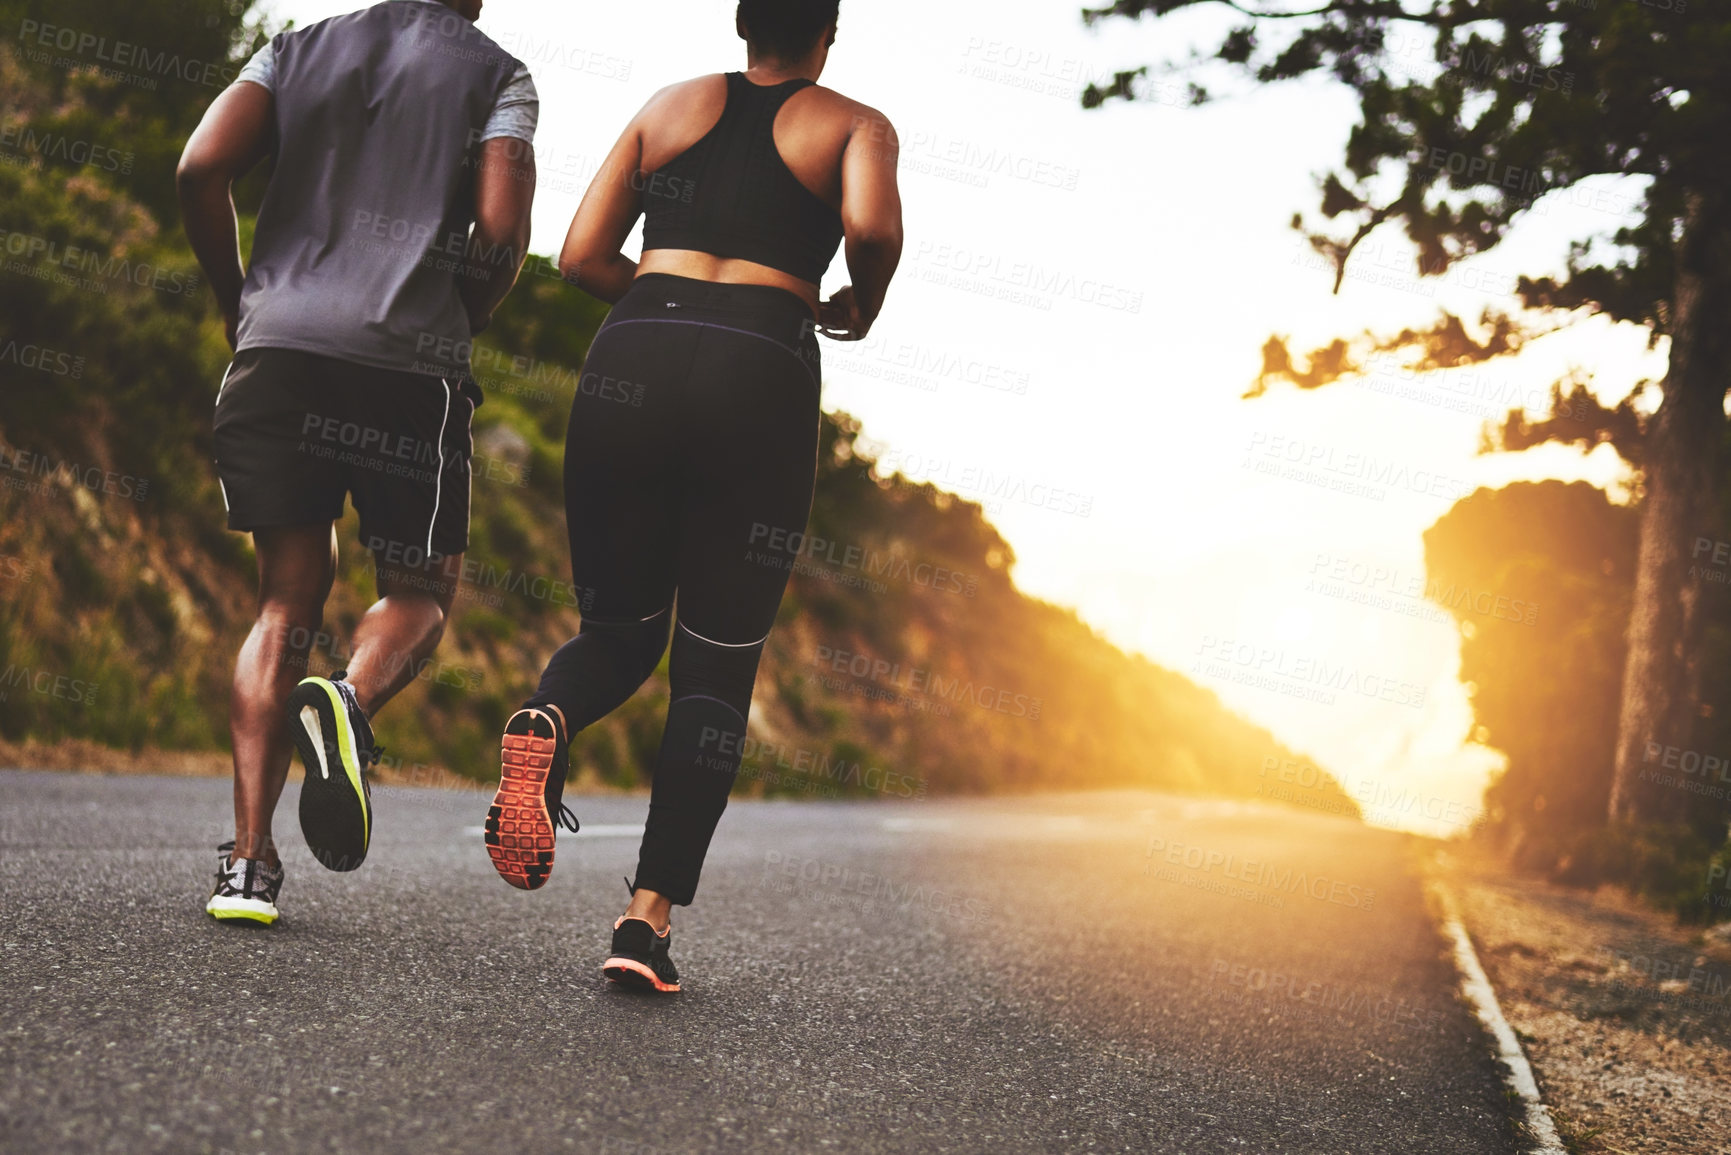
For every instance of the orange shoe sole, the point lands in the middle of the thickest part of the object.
(631, 973)
(519, 832)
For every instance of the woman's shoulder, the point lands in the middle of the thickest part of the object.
(680, 91)
(829, 101)
(845, 115)
(682, 107)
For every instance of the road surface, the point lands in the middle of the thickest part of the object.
(1119, 972)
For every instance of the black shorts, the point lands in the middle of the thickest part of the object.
(297, 432)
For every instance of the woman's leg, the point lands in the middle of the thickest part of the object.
(621, 491)
(750, 438)
(622, 510)
(593, 674)
(710, 698)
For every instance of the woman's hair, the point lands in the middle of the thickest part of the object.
(786, 29)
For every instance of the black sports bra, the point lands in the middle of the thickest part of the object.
(732, 195)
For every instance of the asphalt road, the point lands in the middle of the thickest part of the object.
(1062, 973)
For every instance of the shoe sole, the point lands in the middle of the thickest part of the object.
(628, 972)
(241, 910)
(519, 831)
(336, 814)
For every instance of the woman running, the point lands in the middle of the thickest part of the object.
(694, 433)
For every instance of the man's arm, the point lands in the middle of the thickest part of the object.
(871, 217)
(504, 195)
(234, 135)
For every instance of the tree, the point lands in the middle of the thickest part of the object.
(1510, 101)
(1539, 576)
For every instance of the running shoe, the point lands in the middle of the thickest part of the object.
(639, 958)
(533, 761)
(246, 889)
(336, 746)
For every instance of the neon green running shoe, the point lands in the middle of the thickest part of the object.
(336, 746)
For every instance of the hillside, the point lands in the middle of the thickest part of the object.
(905, 663)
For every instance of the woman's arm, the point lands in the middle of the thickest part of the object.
(591, 258)
(871, 218)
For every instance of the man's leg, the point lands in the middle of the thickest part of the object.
(402, 629)
(296, 565)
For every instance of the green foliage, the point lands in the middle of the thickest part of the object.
(110, 361)
(1671, 867)
(1472, 111)
(135, 77)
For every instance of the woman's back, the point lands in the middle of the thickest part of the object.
(734, 191)
(752, 178)
(812, 126)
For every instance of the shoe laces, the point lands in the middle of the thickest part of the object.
(372, 750)
(246, 877)
(226, 868)
(564, 816)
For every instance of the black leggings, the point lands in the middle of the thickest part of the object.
(693, 444)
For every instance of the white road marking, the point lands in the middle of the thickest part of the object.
(1476, 985)
(907, 825)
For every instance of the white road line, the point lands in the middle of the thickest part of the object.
(909, 825)
(1476, 985)
(588, 831)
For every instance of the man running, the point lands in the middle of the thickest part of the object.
(395, 221)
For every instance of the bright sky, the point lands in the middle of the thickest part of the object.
(1082, 303)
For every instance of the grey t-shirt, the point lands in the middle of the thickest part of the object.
(516, 114)
(363, 234)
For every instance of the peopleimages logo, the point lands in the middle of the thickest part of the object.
(533, 51)
(984, 269)
(27, 355)
(1383, 586)
(477, 572)
(60, 472)
(815, 764)
(57, 146)
(1299, 459)
(48, 684)
(928, 683)
(894, 566)
(121, 54)
(894, 894)
(924, 367)
(1219, 656)
(88, 262)
(1692, 770)
(1265, 876)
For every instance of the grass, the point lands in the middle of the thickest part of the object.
(1578, 1137)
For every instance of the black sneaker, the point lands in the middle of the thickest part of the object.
(640, 958)
(336, 745)
(246, 889)
(533, 762)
